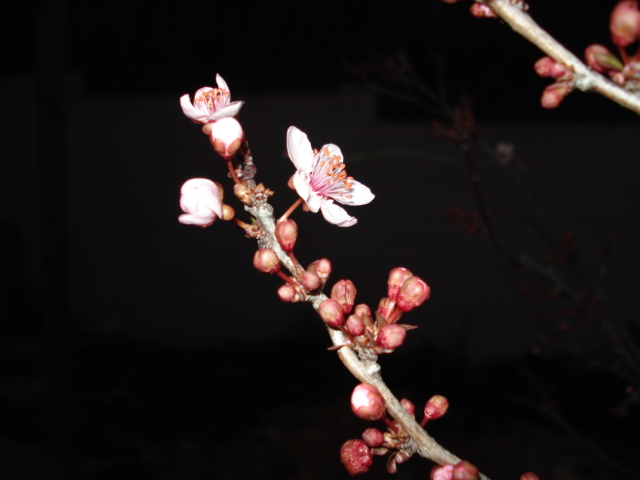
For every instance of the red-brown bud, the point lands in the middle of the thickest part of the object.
(553, 94)
(344, 292)
(625, 23)
(354, 325)
(362, 310)
(383, 307)
(310, 281)
(442, 472)
(436, 407)
(367, 403)
(391, 337)
(287, 293)
(601, 59)
(413, 292)
(266, 260)
(356, 457)
(529, 476)
(373, 437)
(243, 193)
(228, 212)
(331, 313)
(397, 276)
(479, 10)
(286, 234)
(548, 67)
(408, 406)
(465, 471)
(322, 267)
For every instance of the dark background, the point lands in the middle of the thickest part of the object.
(148, 349)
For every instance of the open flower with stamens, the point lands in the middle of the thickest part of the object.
(320, 179)
(201, 201)
(210, 104)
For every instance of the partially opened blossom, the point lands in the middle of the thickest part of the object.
(321, 179)
(210, 104)
(201, 201)
(226, 137)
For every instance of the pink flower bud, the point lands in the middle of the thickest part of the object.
(436, 407)
(322, 267)
(367, 403)
(331, 313)
(601, 59)
(529, 476)
(356, 457)
(201, 200)
(397, 276)
(553, 94)
(287, 293)
(465, 471)
(266, 260)
(408, 406)
(310, 281)
(413, 292)
(373, 437)
(226, 137)
(391, 337)
(442, 472)
(362, 310)
(344, 292)
(286, 234)
(481, 11)
(548, 67)
(354, 325)
(625, 23)
(383, 307)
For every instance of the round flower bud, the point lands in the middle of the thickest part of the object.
(436, 407)
(529, 476)
(624, 23)
(479, 10)
(354, 325)
(228, 212)
(373, 437)
(367, 403)
(397, 276)
(226, 137)
(548, 67)
(362, 310)
(356, 457)
(553, 94)
(465, 471)
(413, 292)
(286, 234)
(266, 260)
(344, 292)
(408, 406)
(331, 313)
(322, 267)
(442, 472)
(383, 306)
(391, 337)
(287, 293)
(600, 58)
(310, 281)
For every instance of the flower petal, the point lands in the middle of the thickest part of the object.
(190, 111)
(221, 83)
(299, 149)
(359, 194)
(335, 214)
(198, 220)
(301, 182)
(230, 110)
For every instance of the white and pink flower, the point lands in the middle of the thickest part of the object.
(211, 104)
(321, 179)
(200, 199)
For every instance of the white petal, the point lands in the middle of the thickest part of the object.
(301, 182)
(221, 83)
(230, 110)
(299, 149)
(198, 220)
(190, 111)
(210, 200)
(336, 215)
(359, 193)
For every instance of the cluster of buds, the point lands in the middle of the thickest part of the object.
(480, 10)
(563, 83)
(367, 403)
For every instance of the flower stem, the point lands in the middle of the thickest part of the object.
(232, 171)
(295, 205)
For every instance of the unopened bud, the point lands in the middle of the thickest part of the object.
(331, 313)
(436, 407)
(391, 337)
(367, 403)
(625, 23)
(287, 293)
(479, 10)
(548, 67)
(266, 260)
(286, 234)
(310, 281)
(601, 59)
(442, 472)
(413, 292)
(553, 94)
(322, 267)
(228, 212)
(373, 437)
(383, 307)
(465, 471)
(243, 193)
(397, 276)
(362, 310)
(356, 457)
(354, 325)
(408, 406)
(344, 292)
(529, 476)
(226, 137)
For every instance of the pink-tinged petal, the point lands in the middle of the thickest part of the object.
(358, 194)
(301, 184)
(335, 214)
(299, 149)
(190, 111)
(221, 83)
(200, 200)
(230, 110)
(197, 220)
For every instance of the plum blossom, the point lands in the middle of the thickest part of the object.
(200, 199)
(210, 104)
(320, 179)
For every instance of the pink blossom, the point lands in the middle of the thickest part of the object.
(442, 472)
(210, 104)
(226, 137)
(201, 201)
(320, 179)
